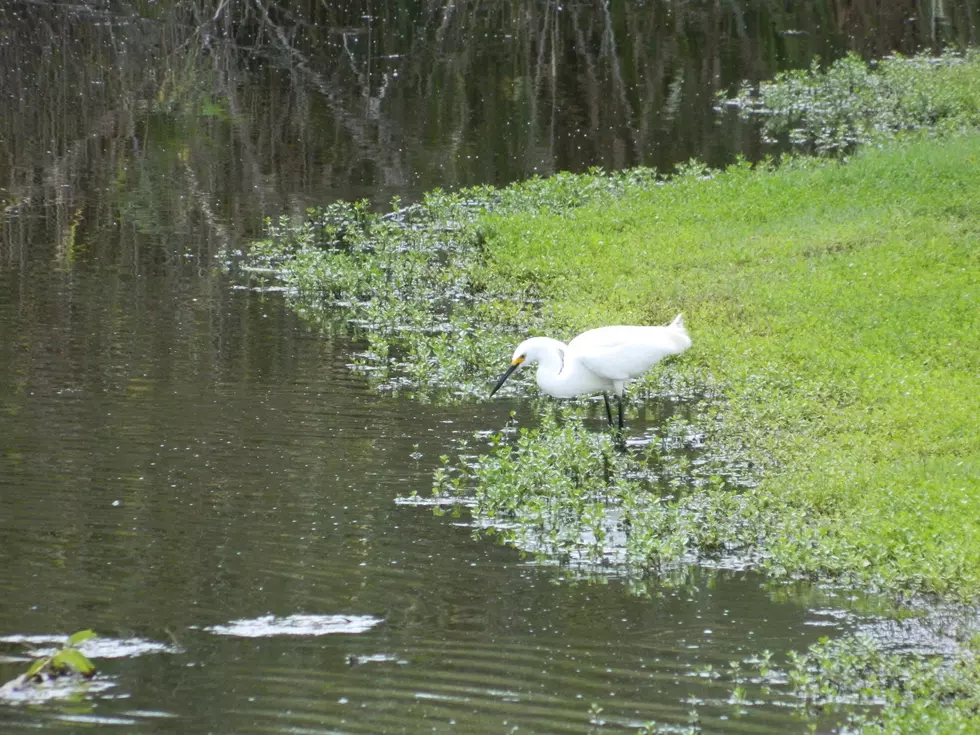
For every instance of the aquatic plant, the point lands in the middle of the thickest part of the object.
(414, 284)
(850, 102)
(566, 491)
(871, 689)
(65, 661)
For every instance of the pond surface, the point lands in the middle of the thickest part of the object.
(189, 470)
(178, 454)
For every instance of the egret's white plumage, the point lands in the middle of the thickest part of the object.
(600, 360)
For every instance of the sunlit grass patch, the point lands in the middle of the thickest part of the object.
(836, 308)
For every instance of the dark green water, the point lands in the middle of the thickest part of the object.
(178, 453)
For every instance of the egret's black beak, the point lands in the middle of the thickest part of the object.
(513, 366)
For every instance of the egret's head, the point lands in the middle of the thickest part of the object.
(520, 357)
(528, 352)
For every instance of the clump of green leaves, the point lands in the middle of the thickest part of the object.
(832, 109)
(569, 492)
(871, 689)
(66, 661)
(551, 490)
(408, 286)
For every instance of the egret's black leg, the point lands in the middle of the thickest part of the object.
(608, 408)
(618, 437)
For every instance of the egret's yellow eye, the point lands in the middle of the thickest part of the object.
(518, 360)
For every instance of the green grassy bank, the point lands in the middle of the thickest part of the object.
(836, 309)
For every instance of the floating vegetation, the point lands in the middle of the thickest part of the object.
(63, 669)
(65, 662)
(568, 492)
(866, 688)
(850, 102)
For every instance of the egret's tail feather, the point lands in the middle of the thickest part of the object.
(682, 340)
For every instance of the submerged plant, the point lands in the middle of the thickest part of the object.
(875, 690)
(568, 492)
(549, 491)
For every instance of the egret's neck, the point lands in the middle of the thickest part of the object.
(550, 354)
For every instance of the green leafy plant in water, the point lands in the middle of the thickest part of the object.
(851, 102)
(570, 492)
(874, 690)
(63, 662)
(549, 491)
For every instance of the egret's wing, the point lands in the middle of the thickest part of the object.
(621, 353)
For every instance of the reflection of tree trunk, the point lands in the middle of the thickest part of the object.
(207, 212)
(241, 124)
(591, 81)
(545, 73)
(387, 158)
(59, 178)
(574, 84)
(611, 54)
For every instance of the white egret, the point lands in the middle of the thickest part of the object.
(603, 359)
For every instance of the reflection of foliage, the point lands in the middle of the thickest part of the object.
(403, 96)
(851, 102)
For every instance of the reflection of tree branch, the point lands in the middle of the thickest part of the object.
(82, 9)
(610, 52)
(546, 68)
(239, 125)
(57, 174)
(217, 12)
(447, 12)
(372, 102)
(590, 69)
(388, 163)
(205, 206)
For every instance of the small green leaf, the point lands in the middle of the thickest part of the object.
(82, 636)
(37, 666)
(73, 659)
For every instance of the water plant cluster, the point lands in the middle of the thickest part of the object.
(832, 109)
(868, 689)
(566, 491)
(64, 662)
(414, 284)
